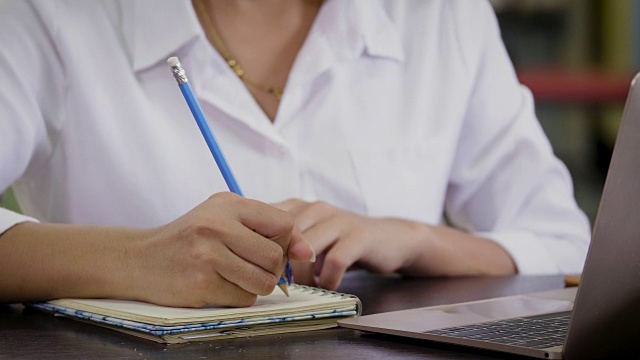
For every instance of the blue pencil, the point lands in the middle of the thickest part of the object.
(216, 151)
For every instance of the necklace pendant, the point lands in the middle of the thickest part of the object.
(276, 92)
(233, 64)
(238, 70)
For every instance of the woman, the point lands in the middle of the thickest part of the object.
(394, 133)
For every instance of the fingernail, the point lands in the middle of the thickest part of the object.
(313, 257)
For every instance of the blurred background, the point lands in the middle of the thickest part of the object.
(578, 58)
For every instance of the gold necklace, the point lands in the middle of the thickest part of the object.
(233, 64)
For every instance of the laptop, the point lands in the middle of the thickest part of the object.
(599, 319)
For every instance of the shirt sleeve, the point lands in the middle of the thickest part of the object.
(506, 184)
(30, 78)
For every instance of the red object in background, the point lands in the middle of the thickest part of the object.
(556, 85)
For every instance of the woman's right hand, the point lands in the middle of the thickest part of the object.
(225, 251)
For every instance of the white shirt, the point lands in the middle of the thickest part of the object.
(392, 109)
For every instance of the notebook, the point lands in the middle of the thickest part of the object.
(599, 319)
(306, 308)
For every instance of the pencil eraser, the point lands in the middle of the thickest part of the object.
(173, 61)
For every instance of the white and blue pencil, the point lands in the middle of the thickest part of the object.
(216, 151)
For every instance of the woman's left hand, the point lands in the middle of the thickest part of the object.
(344, 240)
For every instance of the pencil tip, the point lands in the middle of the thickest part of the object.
(284, 288)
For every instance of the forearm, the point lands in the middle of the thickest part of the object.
(46, 261)
(444, 251)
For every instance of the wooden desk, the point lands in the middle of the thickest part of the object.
(29, 334)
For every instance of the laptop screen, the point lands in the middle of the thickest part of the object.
(607, 308)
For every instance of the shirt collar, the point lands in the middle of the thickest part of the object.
(345, 30)
(366, 26)
(154, 29)
(381, 36)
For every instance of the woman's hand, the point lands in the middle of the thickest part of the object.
(226, 251)
(344, 240)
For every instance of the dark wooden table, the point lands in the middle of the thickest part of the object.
(29, 334)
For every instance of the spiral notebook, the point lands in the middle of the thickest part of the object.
(306, 308)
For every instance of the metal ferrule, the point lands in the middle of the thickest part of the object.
(179, 74)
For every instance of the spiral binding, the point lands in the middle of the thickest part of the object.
(323, 292)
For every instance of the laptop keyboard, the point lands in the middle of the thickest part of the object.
(538, 332)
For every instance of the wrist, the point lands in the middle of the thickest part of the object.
(128, 251)
(421, 247)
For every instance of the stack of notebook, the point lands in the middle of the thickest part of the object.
(307, 308)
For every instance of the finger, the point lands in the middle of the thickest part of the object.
(322, 235)
(244, 274)
(264, 219)
(304, 273)
(318, 265)
(225, 293)
(290, 205)
(299, 248)
(338, 259)
(283, 241)
(280, 233)
(311, 214)
(256, 249)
